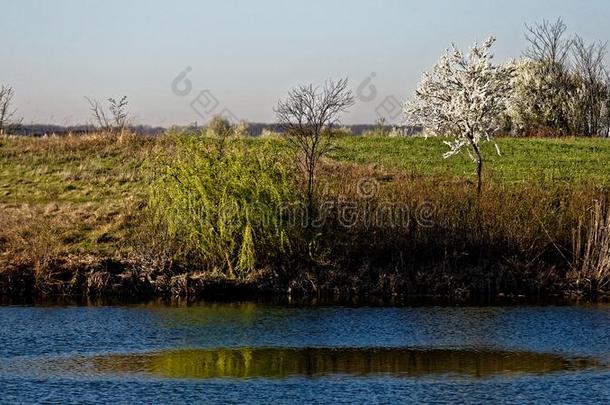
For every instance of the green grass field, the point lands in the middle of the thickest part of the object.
(557, 160)
(92, 170)
(100, 172)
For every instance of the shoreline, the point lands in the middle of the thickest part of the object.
(120, 284)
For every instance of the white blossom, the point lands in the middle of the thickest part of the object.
(463, 97)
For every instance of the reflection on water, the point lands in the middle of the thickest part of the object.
(284, 362)
(168, 354)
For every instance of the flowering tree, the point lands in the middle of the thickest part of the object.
(540, 101)
(464, 97)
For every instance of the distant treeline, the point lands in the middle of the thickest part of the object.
(49, 129)
(257, 128)
(254, 129)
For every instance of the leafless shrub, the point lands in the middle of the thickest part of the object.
(308, 116)
(381, 126)
(113, 120)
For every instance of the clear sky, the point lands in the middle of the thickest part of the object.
(247, 54)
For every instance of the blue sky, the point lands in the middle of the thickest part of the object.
(247, 54)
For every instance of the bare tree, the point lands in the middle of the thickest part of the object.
(548, 43)
(99, 115)
(7, 114)
(308, 116)
(115, 120)
(550, 49)
(591, 74)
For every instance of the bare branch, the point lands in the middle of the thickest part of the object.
(113, 121)
(548, 44)
(591, 75)
(308, 117)
(7, 114)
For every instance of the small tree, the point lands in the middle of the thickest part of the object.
(242, 129)
(463, 97)
(380, 126)
(308, 116)
(7, 114)
(115, 120)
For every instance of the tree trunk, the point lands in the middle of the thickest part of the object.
(311, 171)
(479, 172)
(310, 199)
(479, 162)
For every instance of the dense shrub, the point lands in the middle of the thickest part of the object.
(225, 202)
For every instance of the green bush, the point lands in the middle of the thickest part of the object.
(225, 201)
(219, 127)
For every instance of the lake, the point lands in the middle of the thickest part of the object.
(218, 353)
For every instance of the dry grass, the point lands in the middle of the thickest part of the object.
(513, 240)
(67, 204)
(591, 268)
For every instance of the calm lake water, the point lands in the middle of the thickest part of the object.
(258, 353)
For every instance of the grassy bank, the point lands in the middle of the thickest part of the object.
(104, 215)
